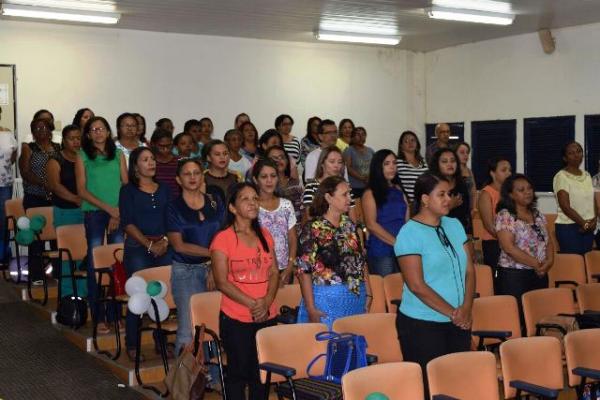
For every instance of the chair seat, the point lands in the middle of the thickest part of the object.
(80, 274)
(311, 389)
(50, 254)
(169, 326)
(122, 298)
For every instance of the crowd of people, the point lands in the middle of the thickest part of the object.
(248, 214)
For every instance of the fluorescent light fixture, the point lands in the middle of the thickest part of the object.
(478, 5)
(332, 36)
(452, 14)
(88, 5)
(353, 26)
(60, 14)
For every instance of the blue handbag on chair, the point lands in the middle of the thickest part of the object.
(345, 352)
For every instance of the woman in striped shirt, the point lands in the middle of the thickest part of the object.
(410, 164)
(291, 143)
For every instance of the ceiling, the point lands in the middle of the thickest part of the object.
(297, 20)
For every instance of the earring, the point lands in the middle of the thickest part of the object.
(426, 205)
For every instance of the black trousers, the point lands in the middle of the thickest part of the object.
(239, 342)
(35, 268)
(422, 341)
(516, 282)
(491, 254)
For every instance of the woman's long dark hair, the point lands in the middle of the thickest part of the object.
(309, 129)
(506, 202)
(425, 184)
(459, 181)
(418, 155)
(319, 205)
(78, 115)
(492, 166)
(248, 123)
(377, 182)
(264, 139)
(288, 169)
(234, 192)
(133, 159)
(260, 164)
(87, 144)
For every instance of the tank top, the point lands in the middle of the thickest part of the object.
(39, 159)
(67, 179)
(390, 216)
(495, 196)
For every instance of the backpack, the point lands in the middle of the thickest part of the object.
(72, 311)
(345, 352)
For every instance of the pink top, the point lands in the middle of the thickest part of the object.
(495, 196)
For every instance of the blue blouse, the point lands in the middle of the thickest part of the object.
(195, 226)
(390, 216)
(144, 210)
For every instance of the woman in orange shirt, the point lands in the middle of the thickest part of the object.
(245, 271)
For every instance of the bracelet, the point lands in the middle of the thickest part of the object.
(150, 246)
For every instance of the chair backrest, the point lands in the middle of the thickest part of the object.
(48, 233)
(378, 305)
(588, 297)
(13, 208)
(393, 284)
(484, 280)
(379, 330)
(398, 380)
(496, 313)
(104, 256)
(567, 267)
(551, 226)
(478, 228)
(541, 303)
(291, 345)
(289, 295)
(466, 375)
(204, 309)
(72, 237)
(592, 265)
(159, 274)
(536, 360)
(582, 350)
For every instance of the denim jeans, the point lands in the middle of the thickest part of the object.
(96, 224)
(383, 265)
(5, 194)
(186, 280)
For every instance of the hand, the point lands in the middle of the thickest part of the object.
(315, 315)
(369, 303)
(455, 200)
(210, 281)
(113, 212)
(591, 225)
(260, 310)
(113, 224)
(79, 201)
(159, 248)
(461, 317)
(544, 267)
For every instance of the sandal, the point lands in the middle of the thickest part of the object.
(131, 356)
(102, 328)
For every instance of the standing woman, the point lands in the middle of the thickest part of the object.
(206, 130)
(333, 273)
(385, 210)
(357, 158)
(527, 251)
(276, 215)
(287, 186)
(66, 201)
(574, 191)
(463, 151)
(127, 135)
(8, 156)
(498, 170)
(310, 141)
(166, 162)
(141, 127)
(245, 270)
(410, 163)
(100, 171)
(216, 154)
(193, 219)
(291, 143)
(250, 142)
(434, 318)
(143, 205)
(81, 118)
(240, 119)
(444, 163)
(345, 132)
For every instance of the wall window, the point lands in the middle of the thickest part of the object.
(491, 139)
(457, 130)
(544, 140)
(592, 143)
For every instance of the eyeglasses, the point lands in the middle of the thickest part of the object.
(98, 130)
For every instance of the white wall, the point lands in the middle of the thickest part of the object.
(512, 78)
(63, 68)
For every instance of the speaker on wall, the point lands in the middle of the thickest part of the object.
(547, 41)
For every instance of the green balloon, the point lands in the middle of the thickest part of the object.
(37, 223)
(377, 396)
(25, 237)
(153, 288)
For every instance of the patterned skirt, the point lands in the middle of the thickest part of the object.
(335, 301)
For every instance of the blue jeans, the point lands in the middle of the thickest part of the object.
(572, 241)
(5, 194)
(383, 265)
(96, 224)
(136, 258)
(186, 280)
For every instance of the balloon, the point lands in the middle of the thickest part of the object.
(163, 310)
(377, 396)
(163, 290)
(138, 303)
(135, 284)
(25, 237)
(37, 222)
(153, 288)
(23, 223)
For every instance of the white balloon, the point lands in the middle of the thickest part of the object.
(23, 223)
(135, 284)
(163, 310)
(138, 303)
(163, 290)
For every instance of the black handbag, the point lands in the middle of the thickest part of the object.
(72, 311)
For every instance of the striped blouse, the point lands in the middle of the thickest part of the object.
(293, 148)
(310, 189)
(408, 175)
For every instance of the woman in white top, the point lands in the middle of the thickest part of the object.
(8, 155)
(576, 220)
(127, 135)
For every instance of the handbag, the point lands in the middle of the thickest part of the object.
(119, 275)
(345, 352)
(186, 379)
(72, 311)
(287, 315)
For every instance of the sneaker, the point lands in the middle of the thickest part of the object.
(39, 282)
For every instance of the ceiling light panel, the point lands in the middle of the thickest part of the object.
(88, 5)
(60, 14)
(479, 5)
(451, 14)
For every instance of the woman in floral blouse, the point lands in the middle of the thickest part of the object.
(331, 262)
(526, 251)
